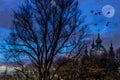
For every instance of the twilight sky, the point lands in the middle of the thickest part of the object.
(6, 11)
(108, 33)
(112, 32)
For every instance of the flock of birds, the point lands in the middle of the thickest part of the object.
(99, 13)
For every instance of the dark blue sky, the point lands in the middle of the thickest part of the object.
(112, 32)
(6, 10)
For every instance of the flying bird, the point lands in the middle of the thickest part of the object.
(107, 23)
(99, 13)
(96, 13)
(95, 24)
(108, 12)
(92, 11)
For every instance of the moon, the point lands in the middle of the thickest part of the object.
(108, 11)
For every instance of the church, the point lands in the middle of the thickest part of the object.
(97, 49)
(98, 61)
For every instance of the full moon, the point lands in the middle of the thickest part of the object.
(108, 11)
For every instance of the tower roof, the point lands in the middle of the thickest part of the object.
(111, 52)
(86, 51)
(98, 41)
(111, 47)
(97, 49)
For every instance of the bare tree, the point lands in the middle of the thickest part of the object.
(44, 30)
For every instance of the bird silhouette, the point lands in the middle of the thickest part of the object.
(99, 13)
(108, 12)
(92, 11)
(96, 13)
(107, 23)
(95, 24)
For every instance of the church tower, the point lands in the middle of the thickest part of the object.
(111, 53)
(86, 51)
(97, 49)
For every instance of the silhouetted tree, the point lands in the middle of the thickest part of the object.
(43, 30)
(71, 70)
(117, 56)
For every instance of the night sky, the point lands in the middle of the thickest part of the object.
(108, 33)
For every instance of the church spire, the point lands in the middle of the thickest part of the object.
(86, 51)
(111, 46)
(98, 41)
(111, 52)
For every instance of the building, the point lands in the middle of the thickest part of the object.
(99, 62)
(97, 49)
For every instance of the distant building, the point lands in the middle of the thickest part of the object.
(98, 48)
